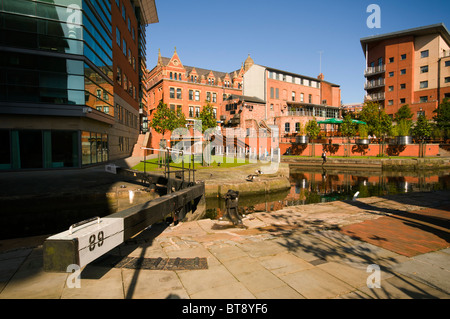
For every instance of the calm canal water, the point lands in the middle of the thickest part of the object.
(310, 186)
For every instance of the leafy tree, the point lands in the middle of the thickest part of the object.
(403, 113)
(348, 128)
(207, 117)
(378, 122)
(423, 128)
(442, 117)
(312, 128)
(165, 119)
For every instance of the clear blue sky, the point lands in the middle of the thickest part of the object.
(283, 34)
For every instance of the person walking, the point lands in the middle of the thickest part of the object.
(324, 157)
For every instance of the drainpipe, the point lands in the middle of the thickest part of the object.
(439, 81)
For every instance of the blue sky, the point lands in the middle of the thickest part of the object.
(283, 34)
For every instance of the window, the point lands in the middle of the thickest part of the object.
(310, 98)
(125, 82)
(297, 126)
(391, 60)
(129, 24)
(447, 79)
(197, 111)
(424, 69)
(124, 47)
(391, 88)
(403, 71)
(208, 96)
(293, 96)
(271, 93)
(423, 99)
(119, 75)
(271, 106)
(287, 127)
(402, 101)
(191, 95)
(118, 36)
(191, 111)
(424, 54)
(423, 84)
(133, 34)
(403, 57)
(447, 63)
(172, 93)
(171, 75)
(391, 74)
(176, 76)
(197, 95)
(215, 113)
(302, 96)
(403, 86)
(123, 12)
(380, 61)
(420, 113)
(391, 102)
(277, 93)
(118, 4)
(214, 99)
(179, 93)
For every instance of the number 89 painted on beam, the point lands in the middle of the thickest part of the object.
(92, 240)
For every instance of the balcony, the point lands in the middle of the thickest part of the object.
(374, 84)
(374, 97)
(372, 70)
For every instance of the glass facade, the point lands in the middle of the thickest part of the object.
(55, 52)
(73, 27)
(31, 149)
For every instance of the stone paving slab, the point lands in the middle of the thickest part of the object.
(283, 255)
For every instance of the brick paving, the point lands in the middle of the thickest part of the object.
(418, 232)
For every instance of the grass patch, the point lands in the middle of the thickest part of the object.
(217, 162)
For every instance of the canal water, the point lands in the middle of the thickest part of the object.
(317, 185)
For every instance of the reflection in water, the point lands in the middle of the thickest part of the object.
(320, 185)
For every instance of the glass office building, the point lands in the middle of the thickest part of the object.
(56, 83)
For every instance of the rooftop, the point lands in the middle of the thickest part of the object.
(430, 29)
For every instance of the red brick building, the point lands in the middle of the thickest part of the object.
(252, 97)
(408, 67)
(189, 88)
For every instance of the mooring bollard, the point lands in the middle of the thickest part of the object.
(232, 205)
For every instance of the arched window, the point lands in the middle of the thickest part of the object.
(171, 75)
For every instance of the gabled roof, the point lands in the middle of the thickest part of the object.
(200, 71)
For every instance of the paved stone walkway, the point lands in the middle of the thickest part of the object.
(298, 252)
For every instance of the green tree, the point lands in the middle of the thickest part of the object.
(403, 113)
(165, 119)
(348, 128)
(423, 128)
(312, 128)
(442, 117)
(378, 122)
(207, 117)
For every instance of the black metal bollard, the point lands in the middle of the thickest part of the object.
(232, 205)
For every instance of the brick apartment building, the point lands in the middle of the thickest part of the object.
(408, 67)
(70, 76)
(251, 97)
